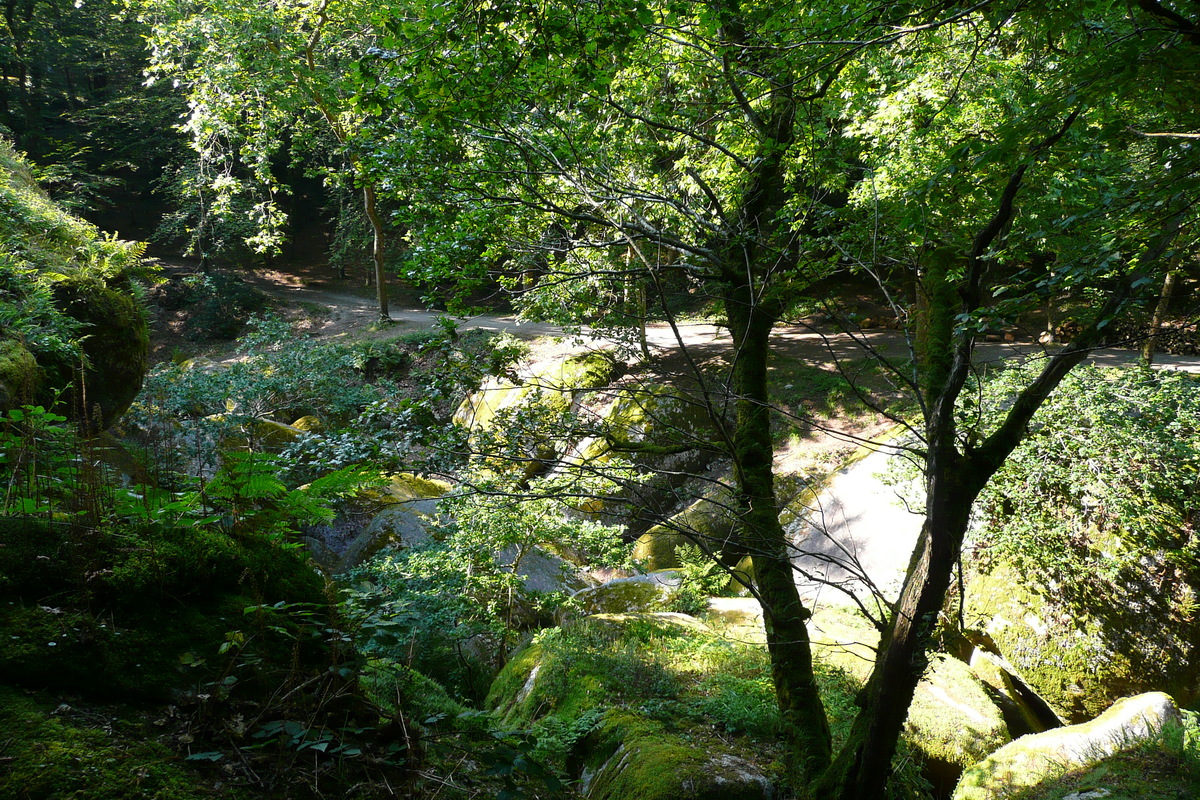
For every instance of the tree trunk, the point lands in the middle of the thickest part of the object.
(784, 616)
(863, 766)
(1160, 312)
(381, 291)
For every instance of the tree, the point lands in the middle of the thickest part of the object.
(265, 86)
(988, 157)
(72, 99)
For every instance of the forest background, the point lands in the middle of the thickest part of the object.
(976, 165)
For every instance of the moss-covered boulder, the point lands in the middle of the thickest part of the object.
(630, 756)
(953, 721)
(115, 342)
(638, 593)
(711, 520)
(67, 291)
(1017, 769)
(669, 707)
(1082, 657)
(397, 514)
(19, 374)
(556, 383)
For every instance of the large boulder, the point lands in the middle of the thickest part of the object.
(709, 519)
(397, 514)
(604, 674)
(638, 593)
(19, 374)
(1042, 758)
(116, 348)
(1083, 657)
(556, 384)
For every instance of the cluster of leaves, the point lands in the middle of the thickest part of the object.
(467, 592)
(702, 578)
(1113, 458)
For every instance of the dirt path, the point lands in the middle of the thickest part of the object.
(355, 311)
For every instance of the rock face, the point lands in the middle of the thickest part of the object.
(1036, 759)
(1081, 660)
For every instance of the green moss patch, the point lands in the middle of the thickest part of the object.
(63, 753)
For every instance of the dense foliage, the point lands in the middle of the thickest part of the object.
(1103, 491)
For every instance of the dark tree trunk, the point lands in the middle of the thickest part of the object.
(784, 615)
(864, 764)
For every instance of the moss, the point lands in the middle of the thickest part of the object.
(554, 385)
(710, 520)
(630, 756)
(633, 757)
(309, 424)
(405, 486)
(656, 548)
(1028, 766)
(974, 730)
(19, 376)
(952, 721)
(622, 596)
(507, 696)
(592, 370)
(1068, 658)
(275, 435)
(59, 758)
(116, 346)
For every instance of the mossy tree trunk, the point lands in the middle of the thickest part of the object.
(759, 256)
(784, 616)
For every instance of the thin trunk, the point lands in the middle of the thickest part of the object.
(1160, 312)
(784, 616)
(643, 344)
(377, 250)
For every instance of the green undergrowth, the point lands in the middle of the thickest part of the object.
(124, 612)
(56, 751)
(663, 671)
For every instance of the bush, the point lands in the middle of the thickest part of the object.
(1112, 456)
